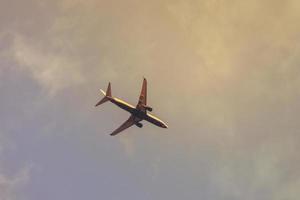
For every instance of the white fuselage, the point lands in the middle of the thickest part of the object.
(142, 115)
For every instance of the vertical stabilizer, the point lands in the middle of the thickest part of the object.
(108, 90)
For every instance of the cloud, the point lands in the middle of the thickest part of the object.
(231, 67)
(53, 71)
(10, 185)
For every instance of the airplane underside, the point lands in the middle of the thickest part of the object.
(138, 113)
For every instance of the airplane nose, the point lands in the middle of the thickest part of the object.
(164, 126)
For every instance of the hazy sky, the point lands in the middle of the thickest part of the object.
(224, 75)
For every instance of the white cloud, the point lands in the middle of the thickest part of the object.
(9, 186)
(243, 45)
(50, 69)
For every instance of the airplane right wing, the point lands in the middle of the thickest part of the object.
(128, 123)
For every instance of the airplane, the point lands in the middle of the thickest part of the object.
(138, 113)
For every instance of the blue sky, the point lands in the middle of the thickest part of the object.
(223, 75)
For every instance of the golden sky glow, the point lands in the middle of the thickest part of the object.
(224, 75)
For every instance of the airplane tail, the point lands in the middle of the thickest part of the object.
(106, 94)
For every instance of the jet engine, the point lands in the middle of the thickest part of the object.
(149, 108)
(138, 124)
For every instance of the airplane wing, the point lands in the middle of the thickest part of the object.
(129, 122)
(143, 96)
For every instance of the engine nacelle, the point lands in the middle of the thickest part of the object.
(149, 108)
(138, 124)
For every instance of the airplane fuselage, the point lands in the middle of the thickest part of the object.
(139, 114)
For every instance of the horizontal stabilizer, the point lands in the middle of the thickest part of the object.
(106, 95)
(105, 99)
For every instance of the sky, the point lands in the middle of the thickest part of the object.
(224, 75)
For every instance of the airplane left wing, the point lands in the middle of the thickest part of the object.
(129, 122)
